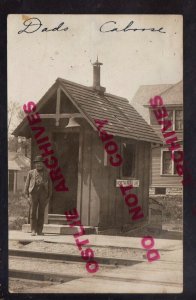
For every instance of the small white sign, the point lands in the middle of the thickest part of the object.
(127, 182)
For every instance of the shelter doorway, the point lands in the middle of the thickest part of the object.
(66, 147)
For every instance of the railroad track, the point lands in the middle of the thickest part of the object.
(41, 269)
(71, 257)
(27, 266)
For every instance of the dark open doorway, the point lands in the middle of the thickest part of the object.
(66, 147)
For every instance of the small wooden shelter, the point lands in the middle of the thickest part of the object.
(68, 111)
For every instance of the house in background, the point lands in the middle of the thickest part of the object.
(18, 167)
(164, 178)
(68, 111)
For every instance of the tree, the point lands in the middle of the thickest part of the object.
(13, 109)
(15, 116)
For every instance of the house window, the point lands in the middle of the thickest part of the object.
(169, 117)
(168, 164)
(178, 120)
(153, 120)
(176, 117)
(176, 155)
(128, 165)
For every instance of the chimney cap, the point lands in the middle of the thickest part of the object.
(97, 63)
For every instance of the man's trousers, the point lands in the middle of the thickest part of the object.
(38, 201)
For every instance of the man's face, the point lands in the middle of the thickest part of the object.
(39, 165)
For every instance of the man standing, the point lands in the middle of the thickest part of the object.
(39, 190)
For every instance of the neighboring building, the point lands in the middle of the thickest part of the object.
(18, 167)
(164, 178)
(68, 111)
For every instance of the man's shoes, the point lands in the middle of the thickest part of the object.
(40, 233)
(33, 233)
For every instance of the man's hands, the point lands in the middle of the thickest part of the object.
(28, 198)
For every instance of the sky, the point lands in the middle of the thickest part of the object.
(130, 59)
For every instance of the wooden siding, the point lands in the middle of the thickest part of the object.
(86, 169)
(164, 180)
(101, 202)
(143, 174)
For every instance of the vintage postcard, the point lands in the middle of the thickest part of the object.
(95, 153)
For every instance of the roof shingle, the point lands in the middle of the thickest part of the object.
(123, 119)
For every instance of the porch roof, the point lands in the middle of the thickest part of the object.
(18, 161)
(123, 119)
(12, 165)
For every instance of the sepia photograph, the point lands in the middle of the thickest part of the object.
(95, 153)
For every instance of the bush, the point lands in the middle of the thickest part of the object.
(172, 207)
(17, 223)
(18, 209)
(17, 205)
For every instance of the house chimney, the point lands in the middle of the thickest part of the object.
(96, 77)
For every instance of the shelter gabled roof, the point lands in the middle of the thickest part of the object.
(123, 119)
